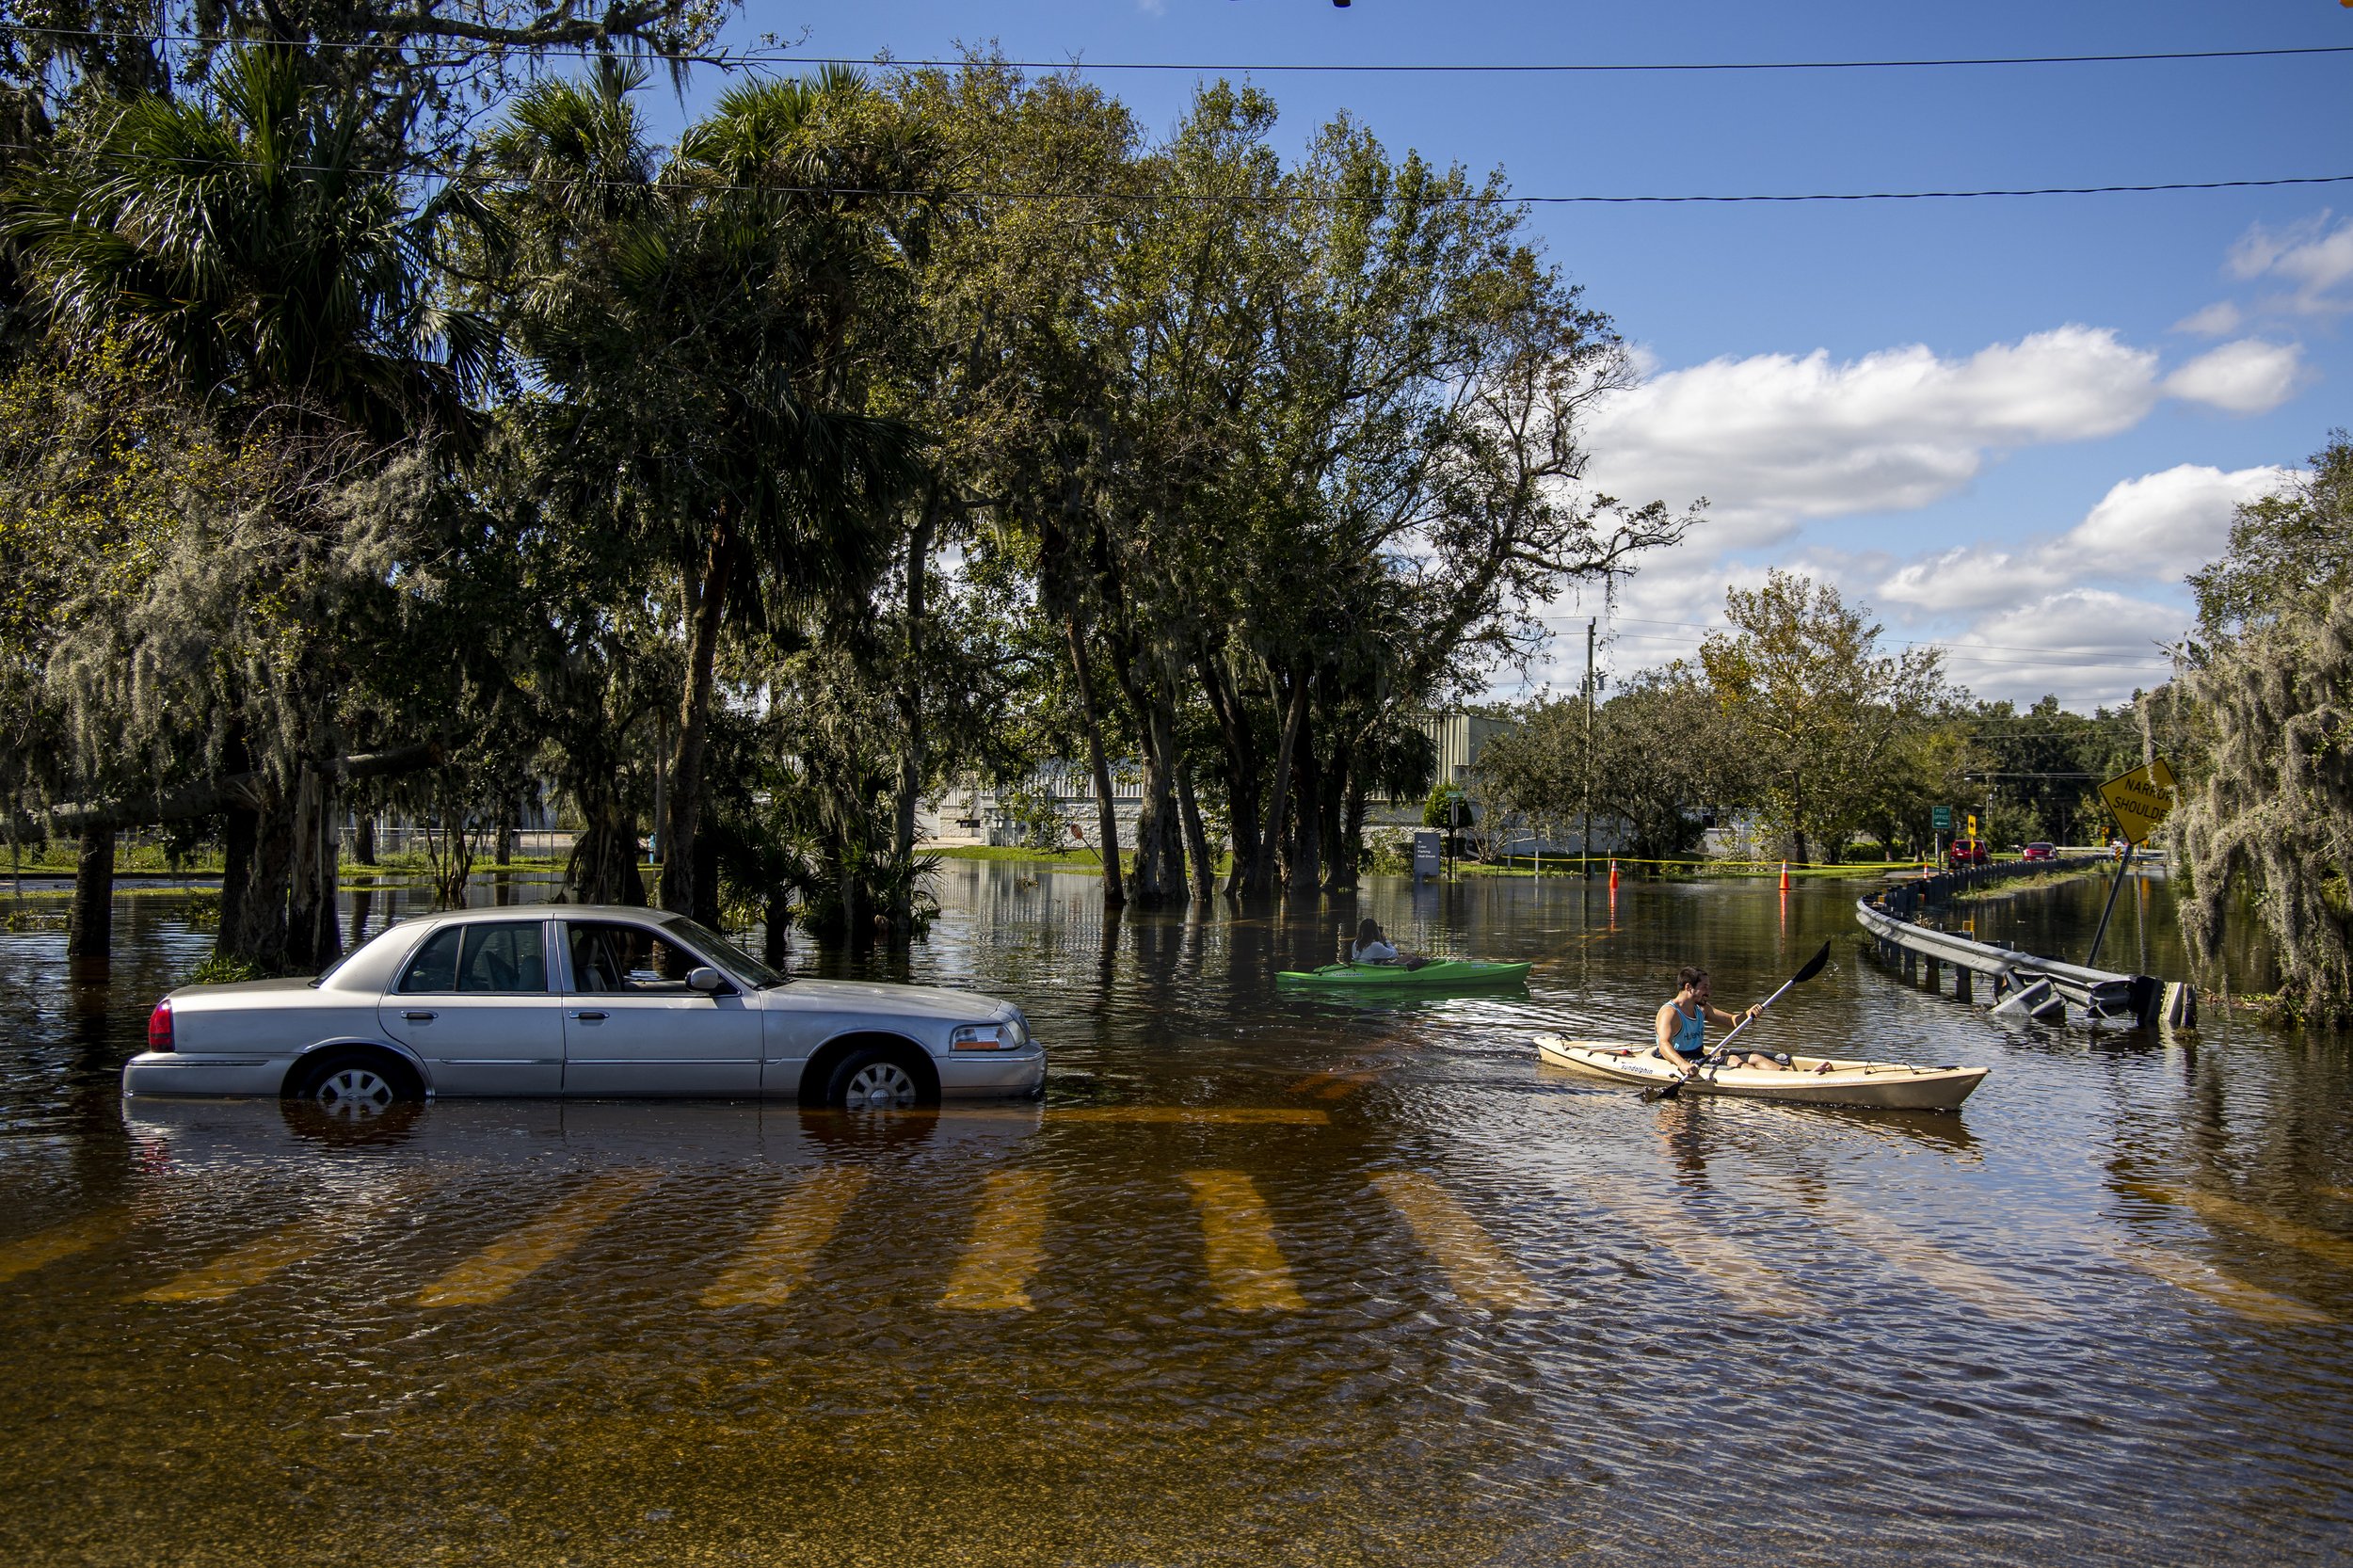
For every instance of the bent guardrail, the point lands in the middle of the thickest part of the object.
(2020, 982)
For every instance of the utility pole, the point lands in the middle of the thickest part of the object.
(1585, 832)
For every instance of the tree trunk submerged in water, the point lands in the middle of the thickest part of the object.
(910, 699)
(1261, 876)
(603, 865)
(1105, 812)
(89, 926)
(312, 941)
(1197, 840)
(681, 892)
(1303, 853)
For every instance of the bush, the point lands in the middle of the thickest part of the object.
(218, 971)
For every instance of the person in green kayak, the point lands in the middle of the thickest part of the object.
(1682, 1028)
(1373, 946)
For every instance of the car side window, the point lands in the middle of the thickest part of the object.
(628, 960)
(486, 958)
(503, 957)
(435, 966)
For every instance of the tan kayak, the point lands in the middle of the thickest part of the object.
(1816, 1081)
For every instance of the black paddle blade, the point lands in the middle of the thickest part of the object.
(1665, 1090)
(1813, 965)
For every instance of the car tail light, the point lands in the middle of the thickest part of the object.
(159, 1025)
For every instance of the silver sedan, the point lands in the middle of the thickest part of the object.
(579, 1000)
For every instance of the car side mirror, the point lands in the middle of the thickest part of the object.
(702, 977)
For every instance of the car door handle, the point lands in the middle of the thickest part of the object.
(420, 1017)
(589, 1018)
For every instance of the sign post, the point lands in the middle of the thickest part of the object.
(2139, 801)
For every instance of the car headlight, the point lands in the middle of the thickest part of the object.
(1004, 1037)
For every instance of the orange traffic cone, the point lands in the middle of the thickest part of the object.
(1785, 876)
(1613, 874)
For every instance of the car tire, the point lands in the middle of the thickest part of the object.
(354, 1085)
(879, 1077)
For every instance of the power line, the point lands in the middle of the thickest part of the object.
(884, 61)
(2076, 653)
(1298, 198)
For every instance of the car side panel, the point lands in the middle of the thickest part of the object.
(494, 1043)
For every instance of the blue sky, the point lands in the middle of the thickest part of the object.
(2007, 425)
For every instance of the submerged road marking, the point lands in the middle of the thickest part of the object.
(1476, 1266)
(1186, 1115)
(44, 1248)
(777, 1262)
(253, 1261)
(248, 1264)
(2226, 1291)
(1007, 1247)
(2258, 1221)
(1726, 1267)
(1922, 1259)
(497, 1269)
(1246, 1267)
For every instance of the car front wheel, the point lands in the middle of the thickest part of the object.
(877, 1079)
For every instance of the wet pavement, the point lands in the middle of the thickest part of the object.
(1268, 1278)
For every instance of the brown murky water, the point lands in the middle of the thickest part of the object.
(1266, 1279)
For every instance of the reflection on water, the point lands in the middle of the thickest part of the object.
(1270, 1278)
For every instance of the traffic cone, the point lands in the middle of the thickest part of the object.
(1613, 874)
(1785, 876)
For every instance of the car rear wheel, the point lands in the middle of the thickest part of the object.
(354, 1086)
(876, 1078)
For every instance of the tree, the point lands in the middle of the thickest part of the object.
(1662, 759)
(705, 327)
(1815, 707)
(249, 249)
(2268, 806)
(2287, 551)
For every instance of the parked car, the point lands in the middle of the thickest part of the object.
(579, 1000)
(2039, 850)
(1966, 852)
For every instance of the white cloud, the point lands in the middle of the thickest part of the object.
(2157, 528)
(1964, 578)
(2249, 376)
(2164, 525)
(2215, 321)
(2085, 645)
(2308, 254)
(1789, 436)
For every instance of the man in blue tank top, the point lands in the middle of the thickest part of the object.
(1682, 1028)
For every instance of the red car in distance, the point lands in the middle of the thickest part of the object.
(1967, 852)
(2039, 850)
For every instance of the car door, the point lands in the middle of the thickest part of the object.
(632, 1025)
(475, 1003)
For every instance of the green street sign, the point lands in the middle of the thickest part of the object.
(1941, 818)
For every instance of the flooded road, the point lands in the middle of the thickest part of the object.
(1268, 1278)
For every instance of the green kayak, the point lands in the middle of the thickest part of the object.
(1397, 977)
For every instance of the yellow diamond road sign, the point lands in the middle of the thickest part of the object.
(2140, 799)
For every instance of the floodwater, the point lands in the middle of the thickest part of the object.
(1266, 1279)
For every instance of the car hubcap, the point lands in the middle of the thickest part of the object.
(354, 1092)
(881, 1086)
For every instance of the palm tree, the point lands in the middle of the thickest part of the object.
(244, 243)
(705, 326)
(246, 248)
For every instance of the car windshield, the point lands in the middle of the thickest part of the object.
(739, 964)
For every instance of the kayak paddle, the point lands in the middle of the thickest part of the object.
(1812, 968)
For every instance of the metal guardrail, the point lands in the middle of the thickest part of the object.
(2021, 981)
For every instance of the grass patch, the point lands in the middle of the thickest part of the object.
(216, 970)
(2026, 884)
(1036, 857)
